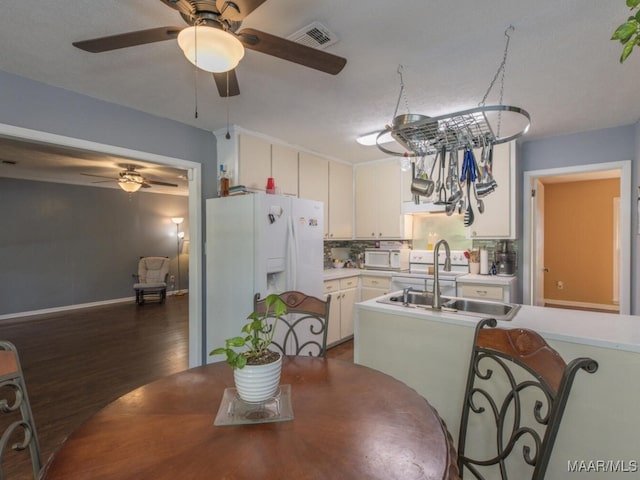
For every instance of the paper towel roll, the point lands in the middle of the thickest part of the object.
(484, 262)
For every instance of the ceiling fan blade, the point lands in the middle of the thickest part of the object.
(182, 6)
(156, 182)
(291, 51)
(130, 39)
(237, 9)
(221, 83)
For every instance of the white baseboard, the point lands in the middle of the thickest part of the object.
(66, 308)
(78, 306)
(569, 303)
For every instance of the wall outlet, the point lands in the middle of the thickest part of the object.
(559, 285)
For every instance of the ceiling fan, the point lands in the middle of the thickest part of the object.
(131, 181)
(219, 19)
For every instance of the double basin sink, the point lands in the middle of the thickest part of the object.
(466, 306)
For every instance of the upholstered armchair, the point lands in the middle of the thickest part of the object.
(151, 278)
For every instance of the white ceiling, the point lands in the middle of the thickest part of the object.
(562, 68)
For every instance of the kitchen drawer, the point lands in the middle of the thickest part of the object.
(376, 282)
(331, 286)
(346, 283)
(488, 292)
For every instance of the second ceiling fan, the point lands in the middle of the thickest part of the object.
(220, 19)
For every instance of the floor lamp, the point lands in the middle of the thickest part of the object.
(179, 235)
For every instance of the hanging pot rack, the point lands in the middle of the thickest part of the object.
(419, 135)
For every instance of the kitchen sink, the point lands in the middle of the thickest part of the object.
(497, 310)
(480, 308)
(415, 298)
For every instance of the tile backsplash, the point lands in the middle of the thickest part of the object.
(355, 249)
(428, 229)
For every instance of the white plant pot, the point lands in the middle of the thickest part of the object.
(257, 383)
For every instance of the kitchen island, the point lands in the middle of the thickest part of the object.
(430, 352)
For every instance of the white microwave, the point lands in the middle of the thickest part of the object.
(387, 259)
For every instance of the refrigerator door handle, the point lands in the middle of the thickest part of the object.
(292, 241)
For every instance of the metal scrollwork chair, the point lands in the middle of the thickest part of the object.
(303, 329)
(14, 406)
(517, 389)
(151, 278)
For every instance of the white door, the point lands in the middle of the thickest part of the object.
(539, 269)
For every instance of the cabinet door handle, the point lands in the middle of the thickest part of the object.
(481, 293)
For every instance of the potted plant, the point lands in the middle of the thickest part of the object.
(256, 369)
(628, 34)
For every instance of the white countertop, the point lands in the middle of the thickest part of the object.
(337, 273)
(487, 279)
(607, 330)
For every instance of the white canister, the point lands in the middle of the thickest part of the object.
(484, 262)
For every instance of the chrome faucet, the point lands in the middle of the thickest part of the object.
(405, 295)
(437, 305)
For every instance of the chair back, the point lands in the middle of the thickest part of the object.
(153, 269)
(15, 408)
(303, 329)
(517, 389)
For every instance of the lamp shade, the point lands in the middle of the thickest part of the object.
(177, 220)
(210, 49)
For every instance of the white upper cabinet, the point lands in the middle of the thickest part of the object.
(340, 201)
(298, 174)
(284, 169)
(254, 162)
(313, 181)
(378, 202)
(499, 217)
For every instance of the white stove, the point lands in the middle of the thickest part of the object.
(422, 261)
(421, 267)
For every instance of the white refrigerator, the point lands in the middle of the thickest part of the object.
(258, 243)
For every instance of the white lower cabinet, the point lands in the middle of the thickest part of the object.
(373, 286)
(344, 295)
(500, 289)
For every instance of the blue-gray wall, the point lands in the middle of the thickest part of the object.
(66, 245)
(37, 106)
(598, 146)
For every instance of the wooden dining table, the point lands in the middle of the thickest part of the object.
(349, 422)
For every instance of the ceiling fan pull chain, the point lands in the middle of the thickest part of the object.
(228, 135)
(195, 70)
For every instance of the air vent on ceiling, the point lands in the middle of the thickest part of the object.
(314, 35)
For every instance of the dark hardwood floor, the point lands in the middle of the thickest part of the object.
(77, 362)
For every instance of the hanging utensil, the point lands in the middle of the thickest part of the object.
(469, 175)
(442, 192)
(454, 184)
(479, 201)
(421, 186)
(416, 197)
(487, 184)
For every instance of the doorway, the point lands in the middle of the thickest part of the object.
(194, 204)
(534, 268)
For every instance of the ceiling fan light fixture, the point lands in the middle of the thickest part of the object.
(217, 51)
(130, 182)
